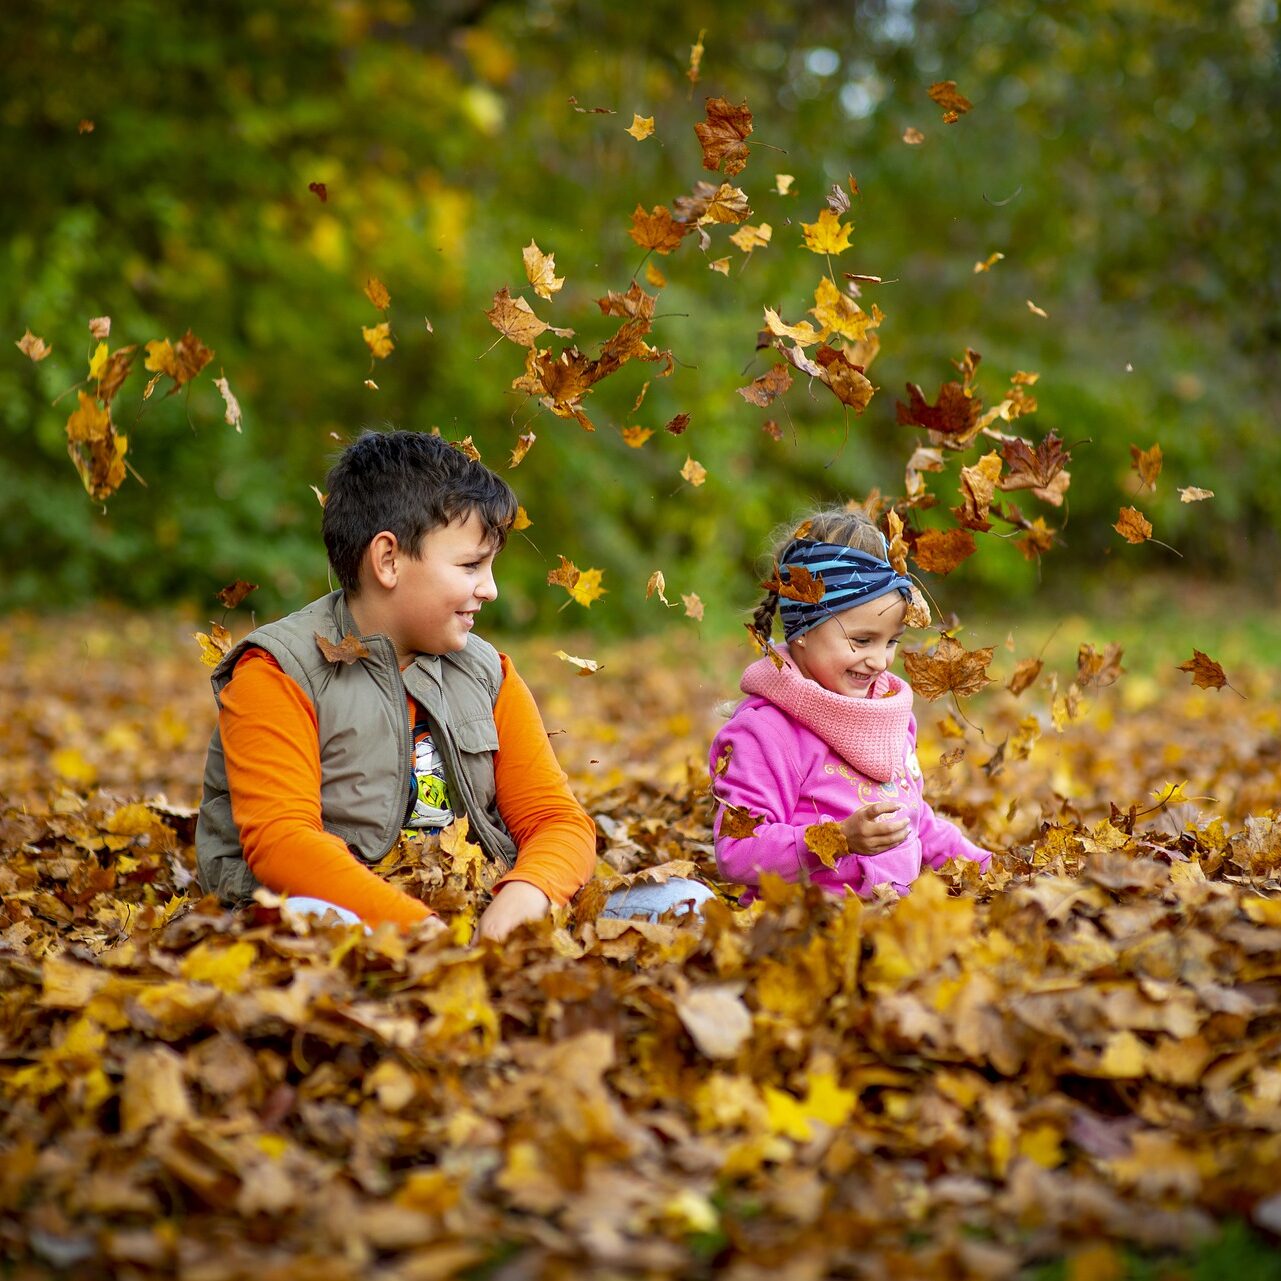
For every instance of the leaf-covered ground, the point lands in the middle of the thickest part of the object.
(1075, 1057)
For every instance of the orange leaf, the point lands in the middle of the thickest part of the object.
(799, 585)
(940, 551)
(1205, 672)
(658, 231)
(954, 104)
(348, 650)
(738, 824)
(377, 293)
(722, 134)
(949, 669)
(761, 391)
(1133, 525)
(1026, 670)
(826, 841)
(234, 593)
(635, 437)
(524, 444)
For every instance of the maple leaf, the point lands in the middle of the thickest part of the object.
(377, 293)
(1040, 470)
(98, 361)
(655, 276)
(540, 269)
(635, 437)
(1147, 462)
(1205, 672)
(940, 551)
(837, 201)
(641, 127)
(727, 204)
(1098, 670)
(1026, 670)
(348, 650)
(826, 841)
(838, 313)
(799, 585)
(514, 318)
(913, 136)
(587, 588)
(988, 263)
(954, 415)
(848, 383)
(378, 339)
(749, 238)
(635, 302)
(524, 444)
(190, 357)
(232, 415)
(522, 520)
(88, 422)
(954, 104)
(693, 606)
(215, 644)
(762, 391)
(114, 371)
(805, 334)
(234, 593)
(34, 348)
(828, 235)
(948, 669)
(319, 190)
(1194, 495)
(677, 425)
(738, 824)
(897, 553)
(586, 666)
(694, 471)
(1133, 525)
(722, 134)
(1039, 540)
(658, 231)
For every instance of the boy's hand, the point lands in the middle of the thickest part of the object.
(866, 832)
(513, 905)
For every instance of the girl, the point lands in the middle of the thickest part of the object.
(829, 737)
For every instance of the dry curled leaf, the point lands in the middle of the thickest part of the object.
(1133, 525)
(232, 415)
(762, 391)
(1194, 495)
(694, 472)
(954, 103)
(234, 593)
(693, 606)
(1147, 462)
(1026, 670)
(377, 293)
(585, 666)
(1205, 672)
(948, 669)
(721, 136)
(348, 650)
(940, 551)
(32, 347)
(540, 270)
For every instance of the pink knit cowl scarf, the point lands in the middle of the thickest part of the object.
(869, 733)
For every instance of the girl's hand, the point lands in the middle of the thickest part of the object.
(513, 905)
(866, 832)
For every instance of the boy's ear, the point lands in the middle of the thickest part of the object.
(381, 559)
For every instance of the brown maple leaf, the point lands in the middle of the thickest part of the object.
(1205, 672)
(514, 318)
(727, 205)
(115, 371)
(799, 585)
(954, 104)
(762, 391)
(658, 231)
(847, 381)
(1147, 462)
(1026, 670)
(1133, 525)
(978, 484)
(948, 669)
(940, 551)
(721, 135)
(348, 650)
(954, 415)
(635, 302)
(677, 425)
(565, 575)
(234, 593)
(1040, 470)
(1099, 670)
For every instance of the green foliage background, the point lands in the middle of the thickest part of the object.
(1120, 154)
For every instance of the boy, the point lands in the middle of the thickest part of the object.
(316, 765)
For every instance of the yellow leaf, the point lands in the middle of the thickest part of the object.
(654, 275)
(586, 666)
(160, 358)
(90, 422)
(540, 269)
(377, 293)
(829, 235)
(748, 237)
(588, 588)
(226, 968)
(783, 184)
(70, 764)
(694, 472)
(635, 437)
(378, 339)
(641, 128)
(1263, 911)
(522, 520)
(988, 263)
(840, 314)
(99, 361)
(719, 264)
(1172, 794)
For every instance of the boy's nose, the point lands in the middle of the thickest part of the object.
(487, 588)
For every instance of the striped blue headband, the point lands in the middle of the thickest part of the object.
(850, 577)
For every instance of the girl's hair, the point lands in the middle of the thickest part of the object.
(844, 526)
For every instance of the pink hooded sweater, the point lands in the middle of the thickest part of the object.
(799, 755)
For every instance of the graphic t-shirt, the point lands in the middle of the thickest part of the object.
(429, 795)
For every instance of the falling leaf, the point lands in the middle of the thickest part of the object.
(378, 339)
(1097, 670)
(726, 204)
(587, 587)
(954, 104)
(641, 128)
(954, 414)
(586, 666)
(1026, 670)
(98, 361)
(1133, 526)
(1147, 462)
(524, 444)
(85, 126)
(215, 644)
(913, 136)
(948, 669)
(1205, 672)
(100, 327)
(232, 416)
(1036, 311)
(1040, 470)
(837, 201)
(319, 190)
(696, 58)
(347, 651)
(114, 372)
(988, 263)
(428, 323)
(719, 264)
(763, 390)
(514, 318)
(805, 334)
(540, 269)
(657, 585)
(694, 472)
(89, 421)
(799, 585)
(234, 593)
(721, 136)
(467, 446)
(849, 384)
(693, 606)
(826, 841)
(654, 276)
(677, 425)
(635, 303)
(940, 551)
(829, 235)
(369, 382)
(978, 485)
(783, 184)
(771, 428)
(377, 293)
(658, 231)
(34, 347)
(522, 520)
(1194, 495)
(181, 361)
(635, 437)
(749, 238)
(896, 550)
(320, 498)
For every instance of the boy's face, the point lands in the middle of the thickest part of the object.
(439, 592)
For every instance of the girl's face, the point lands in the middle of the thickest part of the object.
(851, 649)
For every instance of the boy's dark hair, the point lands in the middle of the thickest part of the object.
(408, 482)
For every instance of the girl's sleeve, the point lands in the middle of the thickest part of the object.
(761, 777)
(555, 837)
(269, 737)
(940, 838)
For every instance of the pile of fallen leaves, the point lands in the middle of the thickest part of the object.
(1082, 1046)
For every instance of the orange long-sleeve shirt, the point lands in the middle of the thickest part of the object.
(272, 748)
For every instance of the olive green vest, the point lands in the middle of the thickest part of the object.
(365, 750)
